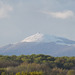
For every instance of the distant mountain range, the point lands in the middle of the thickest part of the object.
(41, 44)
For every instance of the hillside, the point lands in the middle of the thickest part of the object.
(41, 44)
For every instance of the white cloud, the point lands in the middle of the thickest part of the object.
(4, 10)
(61, 15)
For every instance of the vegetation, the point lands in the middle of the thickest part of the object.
(36, 65)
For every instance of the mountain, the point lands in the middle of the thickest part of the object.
(41, 44)
(38, 37)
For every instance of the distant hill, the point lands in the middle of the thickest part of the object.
(41, 44)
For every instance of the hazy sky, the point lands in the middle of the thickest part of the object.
(22, 18)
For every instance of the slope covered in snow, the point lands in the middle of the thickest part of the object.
(34, 38)
(38, 37)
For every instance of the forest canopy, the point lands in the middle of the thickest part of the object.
(36, 65)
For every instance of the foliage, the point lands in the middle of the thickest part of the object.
(36, 65)
(71, 72)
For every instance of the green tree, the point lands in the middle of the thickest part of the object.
(71, 72)
(3, 73)
(11, 74)
(18, 73)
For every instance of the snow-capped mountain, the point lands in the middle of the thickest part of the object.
(38, 37)
(34, 38)
(41, 44)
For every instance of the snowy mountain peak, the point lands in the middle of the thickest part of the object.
(38, 37)
(33, 38)
(41, 44)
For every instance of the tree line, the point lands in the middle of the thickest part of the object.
(36, 65)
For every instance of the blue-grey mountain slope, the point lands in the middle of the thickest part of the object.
(41, 44)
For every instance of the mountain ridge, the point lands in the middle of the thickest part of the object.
(39, 37)
(41, 44)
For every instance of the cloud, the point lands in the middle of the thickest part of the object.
(4, 10)
(61, 15)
